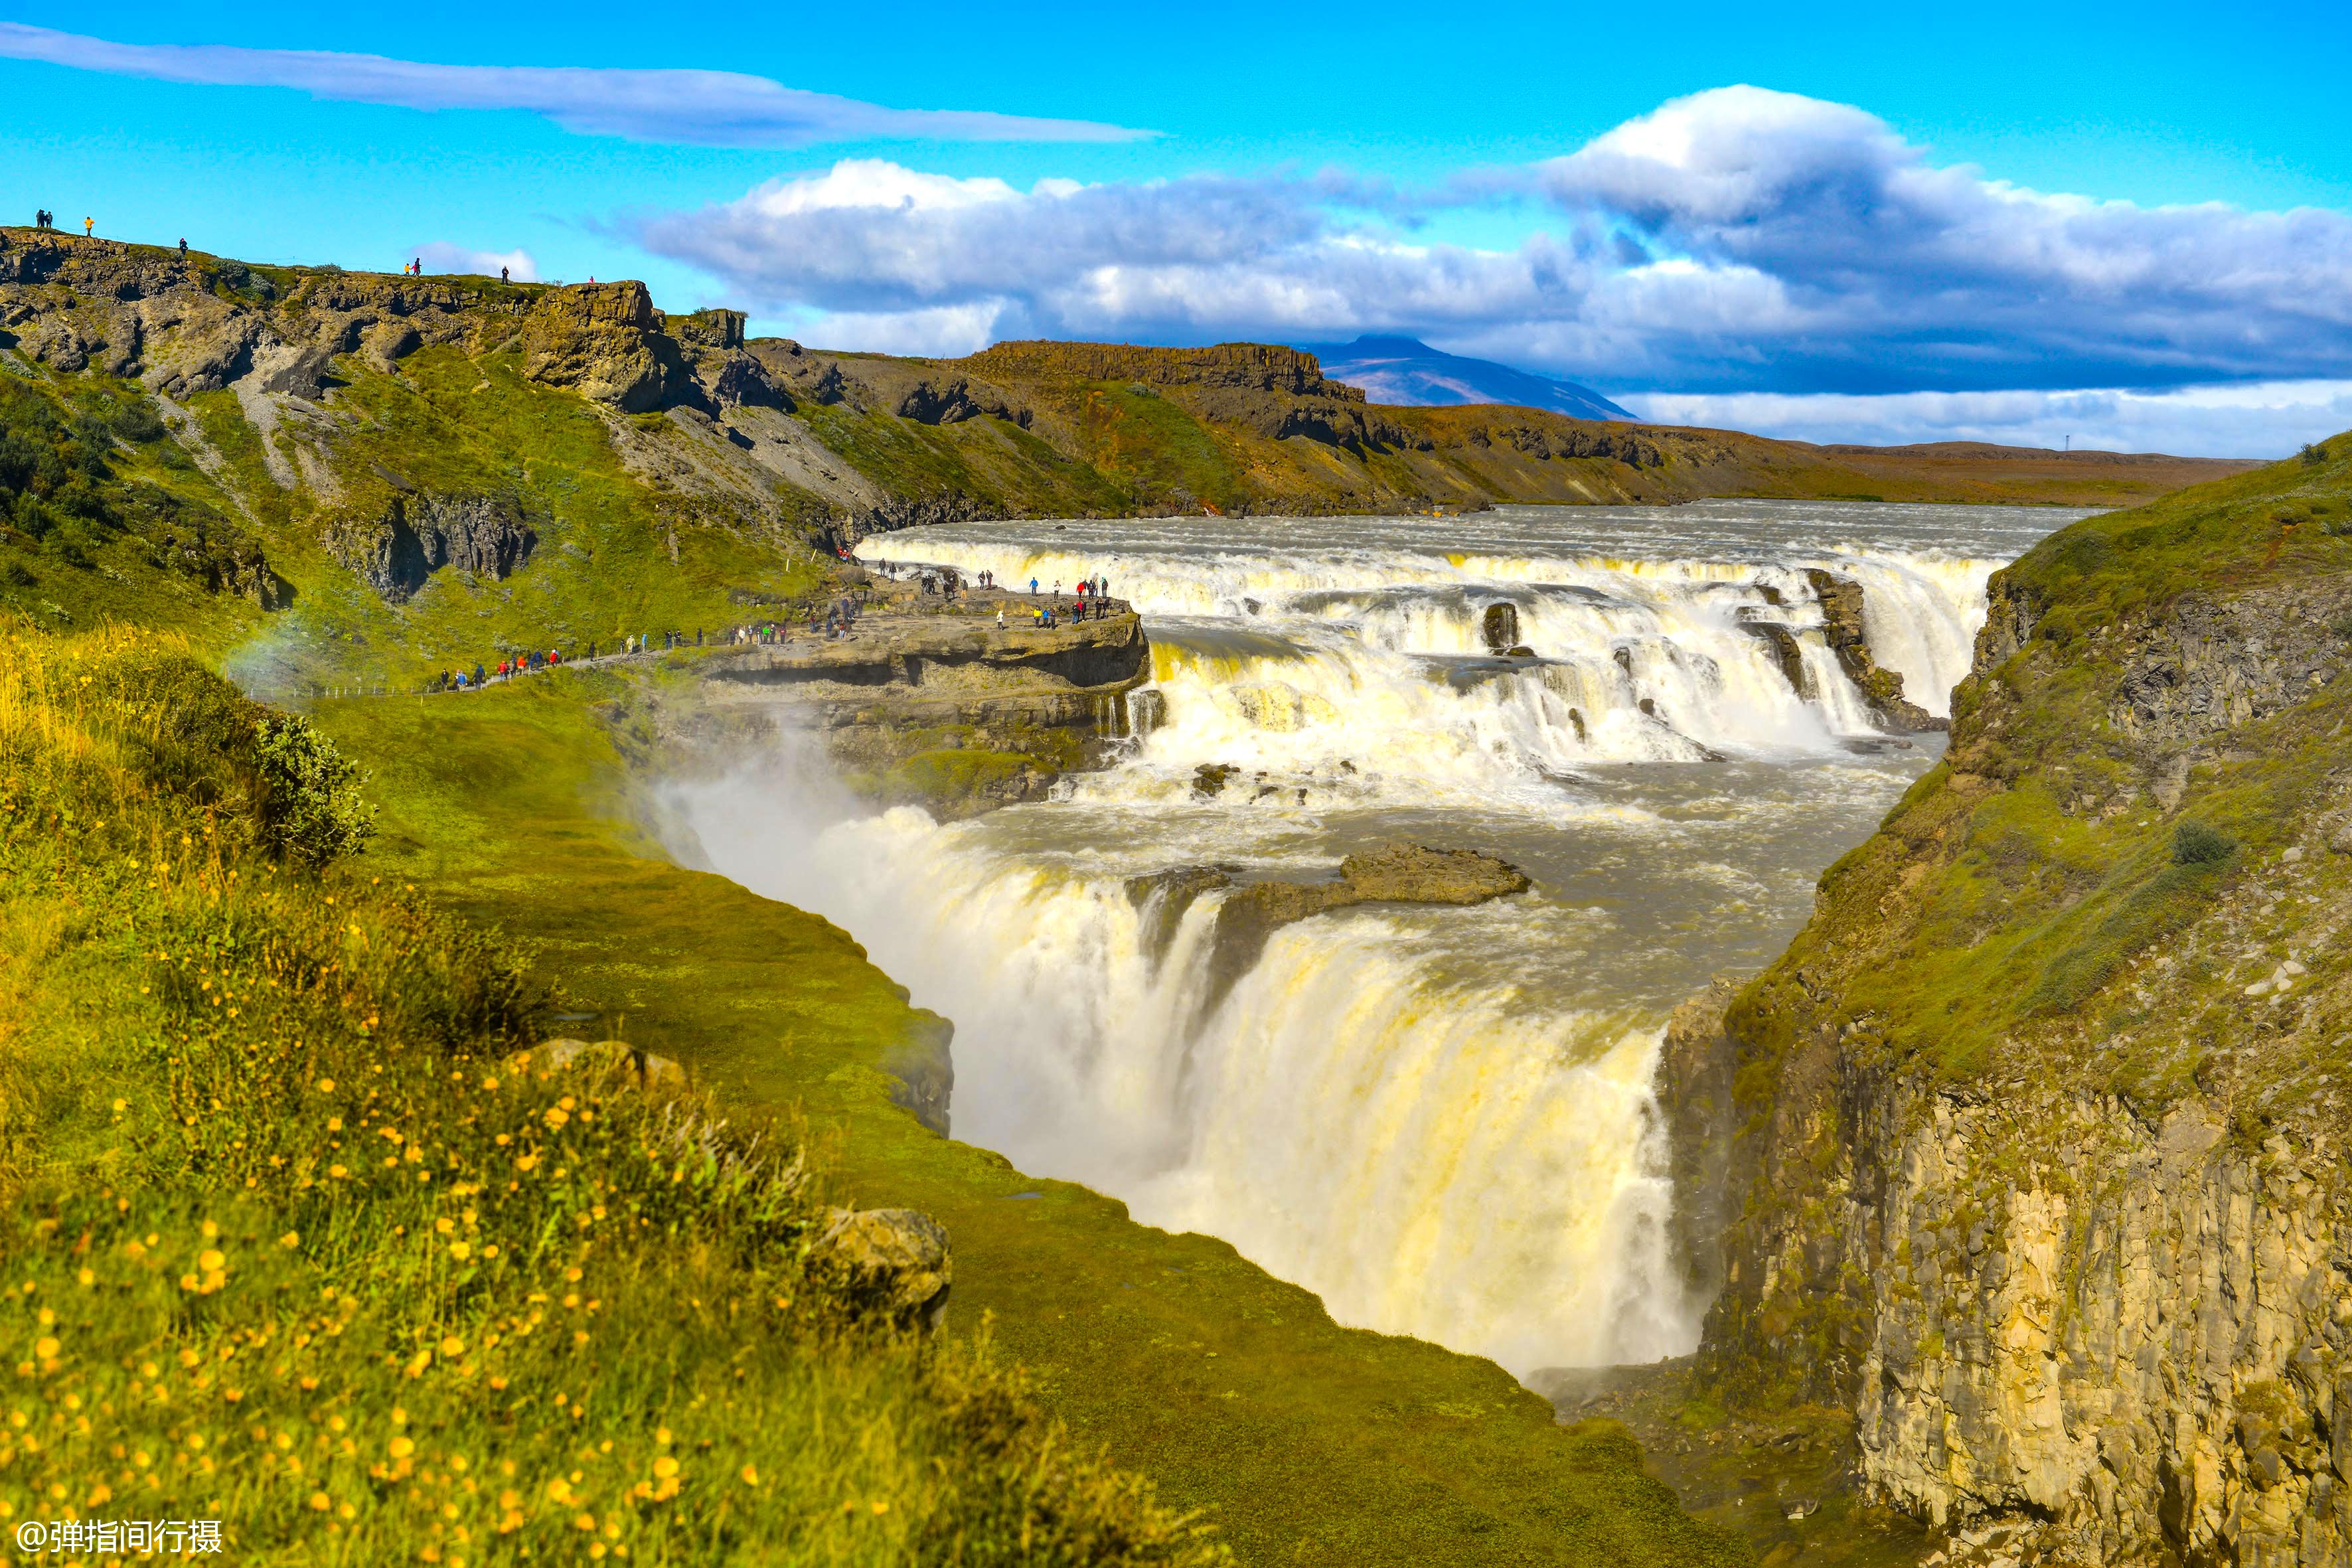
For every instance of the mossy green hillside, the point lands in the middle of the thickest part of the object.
(614, 556)
(293, 1245)
(989, 466)
(1235, 1392)
(2030, 870)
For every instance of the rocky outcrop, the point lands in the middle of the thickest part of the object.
(1161, 897)
(952, 400)
(1840, 600)
(1788, 655)
(946, 709)
(2147, 1342)
(809, 377)
(1256, 367)
(1253, 912)
(1635, 449)
(1275, 392)
(396, 550)
(924, 1065)
(617, 1059)
(599, 339)
(2207, 665)
(888, 1266)
(1696, 1066)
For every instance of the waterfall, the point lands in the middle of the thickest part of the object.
(1439, 1120)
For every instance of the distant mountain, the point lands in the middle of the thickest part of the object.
(1408, 371)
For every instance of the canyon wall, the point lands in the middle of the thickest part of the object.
(2031, 1151)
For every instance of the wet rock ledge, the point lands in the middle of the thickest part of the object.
(1394, 873)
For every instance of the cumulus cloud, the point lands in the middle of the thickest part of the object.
(700, 108)
(2253, 420)
(442, 256)
(868, 239)
(1738, 240)
(1893, 272)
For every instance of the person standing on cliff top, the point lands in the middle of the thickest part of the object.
(87, 224)
(502, 274)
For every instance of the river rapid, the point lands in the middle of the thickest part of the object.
(1439, 1120)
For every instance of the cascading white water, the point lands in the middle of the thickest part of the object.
(1439, 1120)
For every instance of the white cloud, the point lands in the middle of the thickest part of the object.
(441, 256)
(701, 108)
(1897, 272)
(2258, 419)
(1740, 239)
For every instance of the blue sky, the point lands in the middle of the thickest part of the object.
(1844, 253)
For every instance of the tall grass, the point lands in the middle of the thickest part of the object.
(291, 1242)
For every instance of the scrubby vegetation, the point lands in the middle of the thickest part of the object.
(293, 1244)
(86, 527)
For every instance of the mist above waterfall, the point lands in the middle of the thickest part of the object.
(1439, 1120)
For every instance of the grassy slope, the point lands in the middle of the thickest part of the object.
(292, 1246)
(601, 568)
(2031, 886)
(1310, 1443)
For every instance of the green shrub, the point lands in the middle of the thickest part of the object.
(314, 809)
(2194, 844)
(2315, 453)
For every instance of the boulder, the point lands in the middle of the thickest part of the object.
(644, 1069)
(890, 1264)
(1499, 625)
(1210, 778)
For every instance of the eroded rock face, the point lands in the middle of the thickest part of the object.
(2209, 666)
(2146, 1342)
(890, 1264)
(1840, 601)
(600, 340)
(397, 550)
(951, 400)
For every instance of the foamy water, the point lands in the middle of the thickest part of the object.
(1441, 1121)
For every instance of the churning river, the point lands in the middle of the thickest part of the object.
(1439, 1120)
